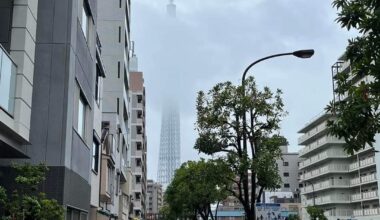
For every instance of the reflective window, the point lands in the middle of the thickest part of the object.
(81, 117)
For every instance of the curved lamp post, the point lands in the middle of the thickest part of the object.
(300, 54)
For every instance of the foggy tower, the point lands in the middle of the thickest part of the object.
(171, 8)
(170, 147)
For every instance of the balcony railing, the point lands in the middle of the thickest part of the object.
(326, 185)
(320, 142)
(332, 199)
(363, 212)
(363, 179)
(7, 82)
(338, 212)
(313, 132)
(363, 163)
(332, 168)
(331, 153)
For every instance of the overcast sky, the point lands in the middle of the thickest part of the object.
(213, 41)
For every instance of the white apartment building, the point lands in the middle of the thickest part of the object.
(344, 186)
(116, 177)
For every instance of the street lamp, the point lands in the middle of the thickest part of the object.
(300, 54)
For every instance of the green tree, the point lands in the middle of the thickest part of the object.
(25, 202)
(315, 213)
(219, 125)
(358, 116)
(195, 187)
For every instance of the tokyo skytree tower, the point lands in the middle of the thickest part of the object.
(170, 147)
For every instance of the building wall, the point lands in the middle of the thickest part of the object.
(114, 33)
(154, 198)
(18, 22)
(138, 138)
(64, 70)
(288, 170)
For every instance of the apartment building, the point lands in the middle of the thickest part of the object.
(56, 106)
(138, 144)
(344, 186)
(116, 176)
(154, 198)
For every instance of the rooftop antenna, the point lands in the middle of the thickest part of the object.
(171, 9)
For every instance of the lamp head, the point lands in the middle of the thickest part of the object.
(304, 53)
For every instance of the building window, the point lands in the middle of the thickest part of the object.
(118, 69)
(138, 196)
(139, 129)
(139, 114)
(119, 34)
(286, 185)
(110, 180)
(286, 163)
(97, 86)
(81, 117)
(138, 145)
(139, 98)
(95, 156)
(117, 105)
(85, 20)
(138, 179)
(138, 162)
(286, 174)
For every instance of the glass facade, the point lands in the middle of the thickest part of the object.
(7, 82)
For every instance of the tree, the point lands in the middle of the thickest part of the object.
(195, 187)
(219, 125)
(358, 116)
(25, 202)
(315, 213)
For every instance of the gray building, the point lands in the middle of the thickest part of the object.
(288, 170)
(154, 198)
(55, 103)
(54, 107)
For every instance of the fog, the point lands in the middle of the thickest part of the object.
(212, 41)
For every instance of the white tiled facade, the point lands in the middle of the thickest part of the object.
(344, 186)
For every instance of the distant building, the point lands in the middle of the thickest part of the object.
(288, 170)
(154, 198)
(139, 144)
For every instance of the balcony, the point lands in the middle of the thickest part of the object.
(370, 195)
(314, 133)
(331, 153)
(362, 180)
(338, 213)
(332, 199)
(7, 81)
(319, 143)
(328, 184)
(366, 212)
(332, 168)
(363, 163)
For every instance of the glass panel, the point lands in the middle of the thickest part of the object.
(84, 22)
(81, 117)
(7, 82)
